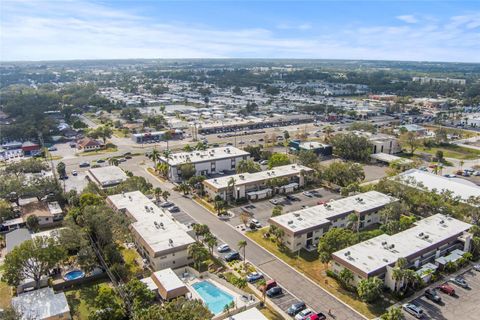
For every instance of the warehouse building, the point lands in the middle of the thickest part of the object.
(303, 228)
(258, 185)
(108, 176)
(206, 162)
(430, 239)
(423, 180)
(159, 238)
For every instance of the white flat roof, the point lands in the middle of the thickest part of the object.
(311, 145)
(389, 158)
(246, 178)
(378, 252)
(155, 226)
(108, 175)
(169, 280)
(41, 304)
(313, 217)
(205, 155)
(459, 187)
(151, 285)
(250, 314)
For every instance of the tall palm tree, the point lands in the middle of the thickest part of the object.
(154, 156)
(242, 244)
(158, 193)
(198, 253)
(353, 220)
(231, 187)
(167, 154)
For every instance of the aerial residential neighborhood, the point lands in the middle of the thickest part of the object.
(308, 160)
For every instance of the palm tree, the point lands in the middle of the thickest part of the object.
(113, 162)
(165, 195)
(328, 133)
(242, 244)
(218, 204)
(198, 253)
(211, 241)
(231, 187)
(154, 156)
(158, 192)
(353, 220)
(184, 187)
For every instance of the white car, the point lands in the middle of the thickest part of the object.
(223, 248)
(476, 267)
(264, 162)
(308, 194)
(303, 314)
(414, 310)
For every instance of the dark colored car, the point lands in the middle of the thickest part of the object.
(274, 292)
(84, 164)
(100, 161)
(292, 197)
(232, 256)
(446, 288)
(432, 294)
(296, 308)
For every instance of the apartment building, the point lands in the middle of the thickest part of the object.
(206, 162)
(255, 186)
(160, 239)
(430, 239)
(304, 228)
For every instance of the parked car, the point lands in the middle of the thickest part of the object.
(268, 285)
(84, 164)
(476, 267)
(52, 149)
(291, 197)
(414, 310)
(432, 294)
(100, 161)
(275, 201)
(317, 316)
(308, 194)
(274, 292)
(446, 288)
(296, 308)
(459, 281)
(173, 209)
(72, 145)
(74, 172)
(303, 314)
(263, 162)
(255, 223)
(166, 204)
(254, 276)
(232, 256)
(223, 248)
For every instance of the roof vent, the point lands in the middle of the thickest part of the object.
(290, 222)
(420, 234)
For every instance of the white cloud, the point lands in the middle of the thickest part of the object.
(408, 18)
(82, 30)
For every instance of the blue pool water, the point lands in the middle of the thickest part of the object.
(214, 298)
(75, 274)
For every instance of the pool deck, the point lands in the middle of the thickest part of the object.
(242, 300)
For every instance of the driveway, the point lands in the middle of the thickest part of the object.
(464, 305)
(262, 210)
(298, 285)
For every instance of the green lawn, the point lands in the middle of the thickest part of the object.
(308, 264)
(81, 300)
(454, 151)
(93, 153)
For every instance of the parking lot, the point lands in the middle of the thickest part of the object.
(463, 305)
(262, 210)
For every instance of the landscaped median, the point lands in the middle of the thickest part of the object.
(205, 204)
(155, 174)
(308, 264)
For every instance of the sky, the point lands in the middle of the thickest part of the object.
(422, 30)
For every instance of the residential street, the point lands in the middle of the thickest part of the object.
(297, 284)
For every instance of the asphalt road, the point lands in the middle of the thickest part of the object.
(297, 284)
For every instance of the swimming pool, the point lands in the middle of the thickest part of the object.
(214, 297)
(73, 275)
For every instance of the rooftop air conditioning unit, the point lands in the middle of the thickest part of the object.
(290, 222)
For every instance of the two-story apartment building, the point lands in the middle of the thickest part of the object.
(303, 228)
(159, 238)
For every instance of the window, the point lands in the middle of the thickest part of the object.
(309, 235)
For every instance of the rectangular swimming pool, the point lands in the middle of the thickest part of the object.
(214, 297)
